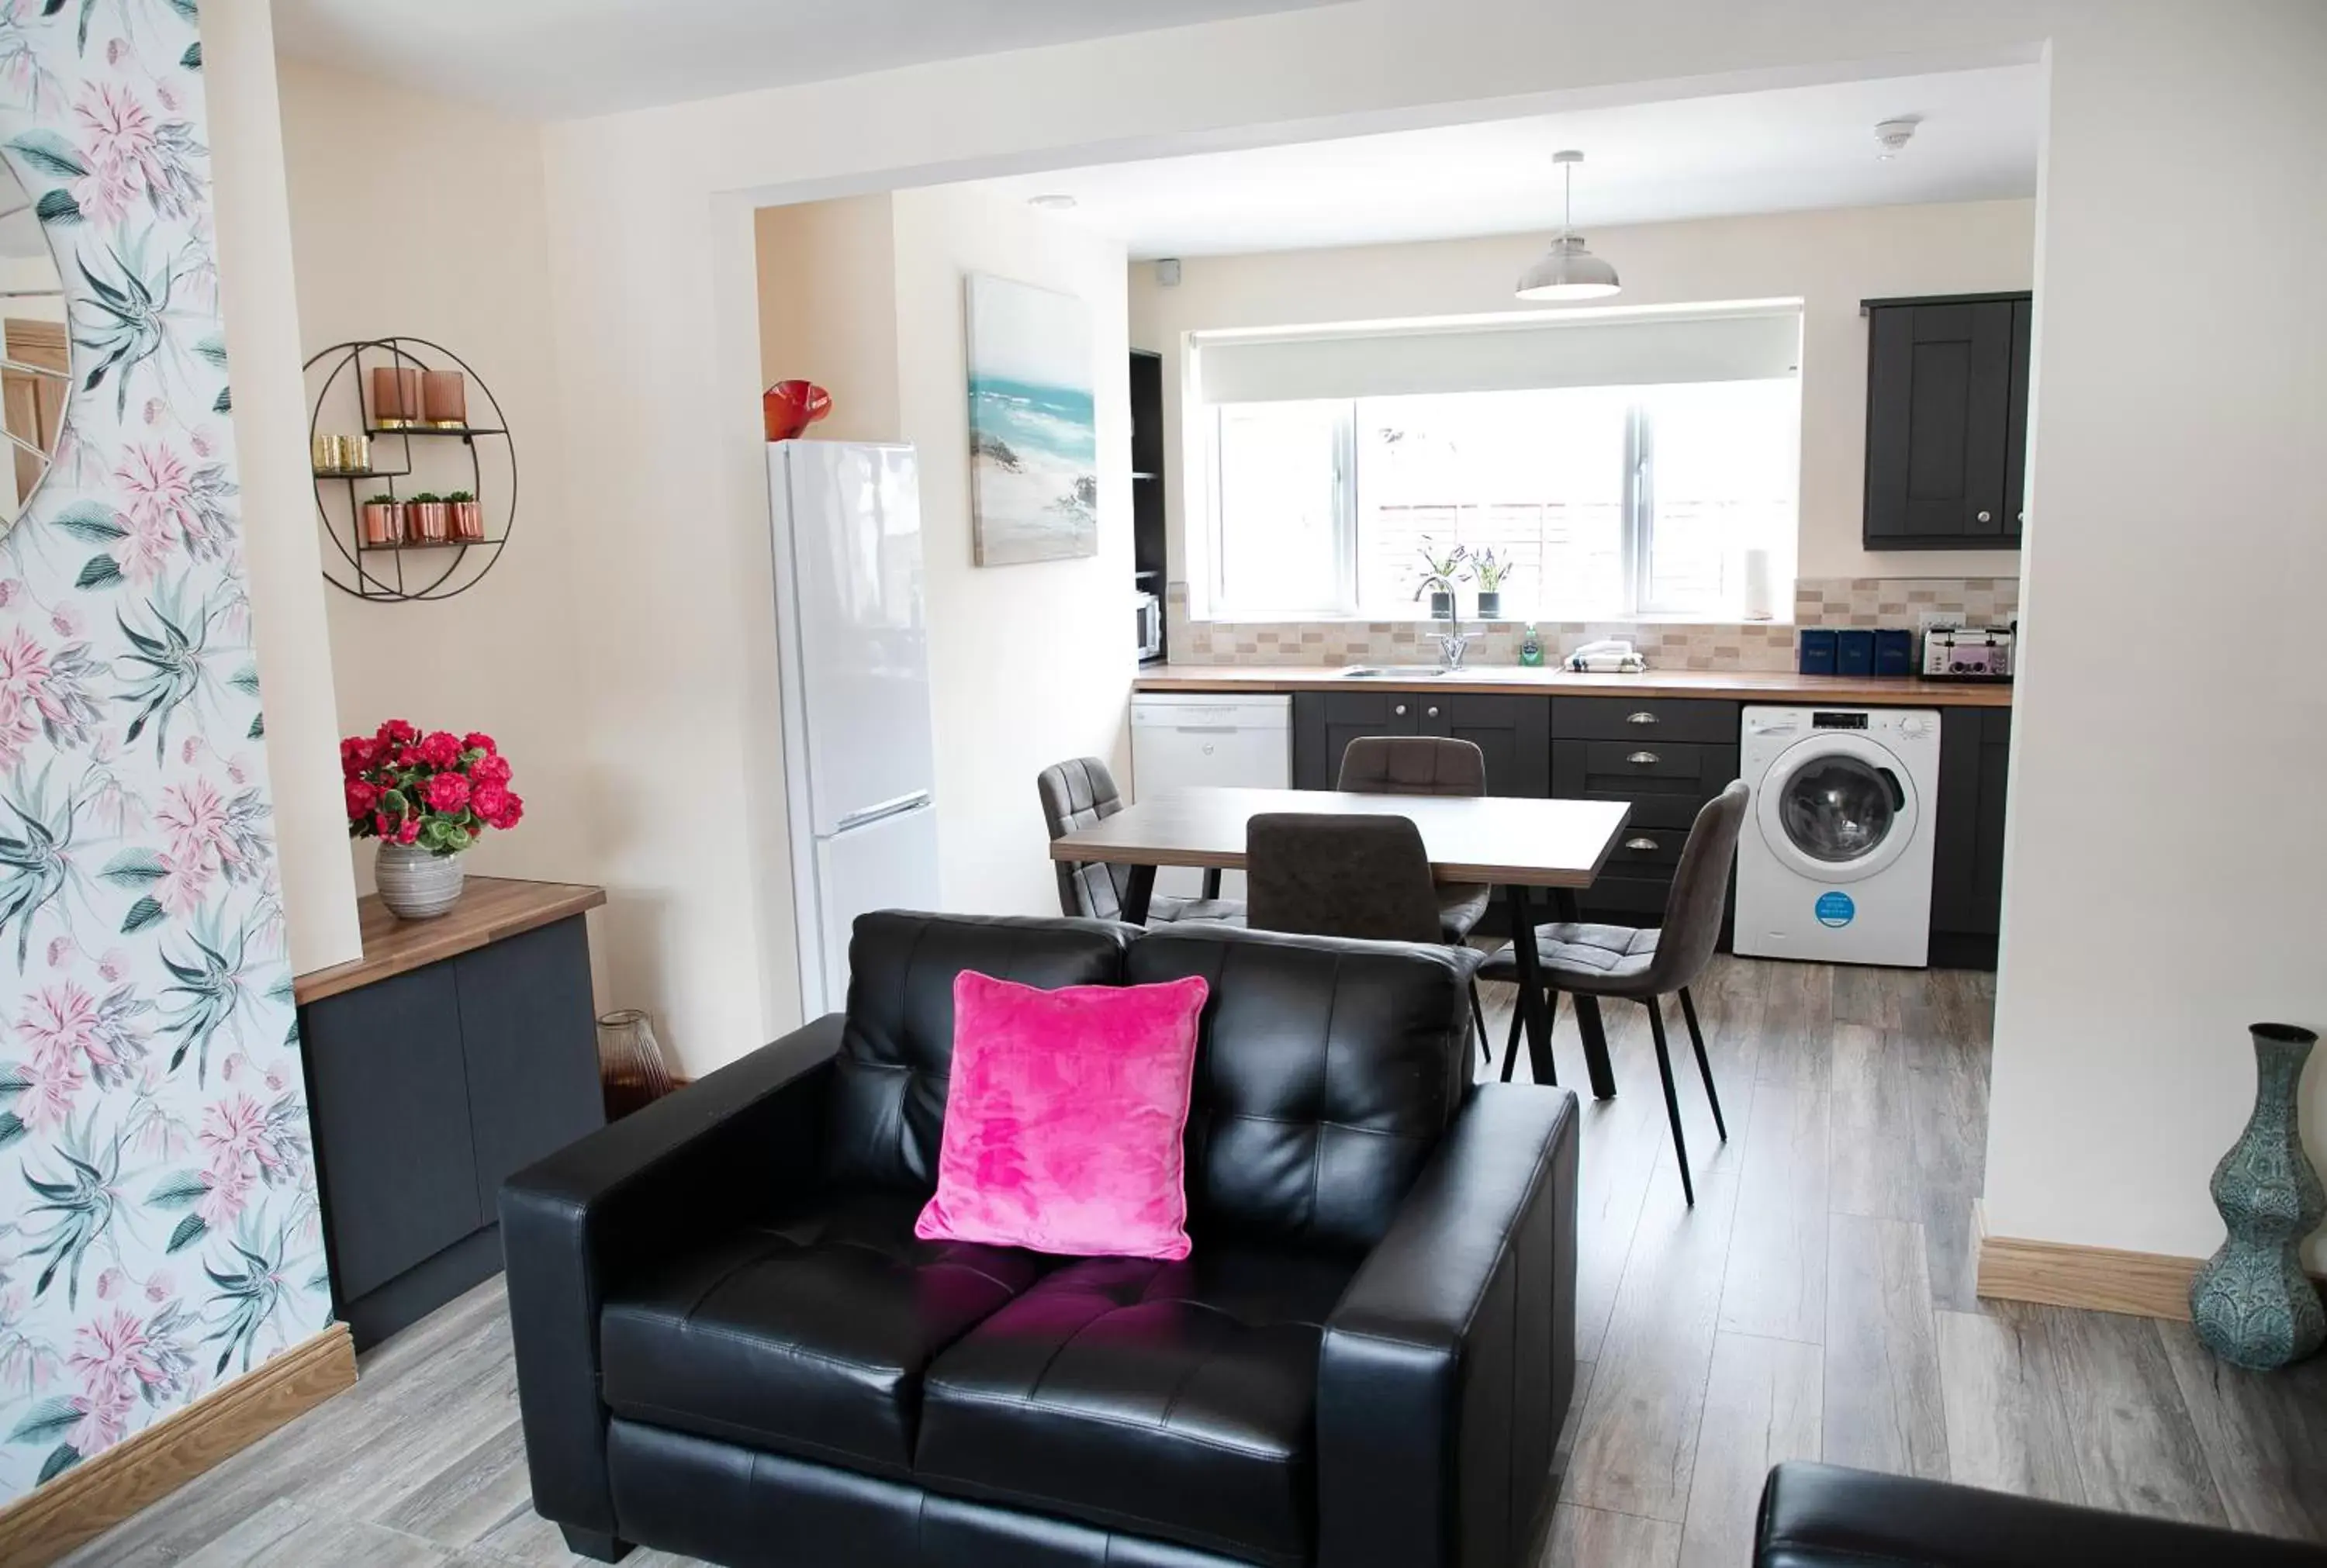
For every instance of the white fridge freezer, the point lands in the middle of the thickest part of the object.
(853, 670)
(1185, 739)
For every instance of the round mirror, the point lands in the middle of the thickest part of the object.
(35, 358)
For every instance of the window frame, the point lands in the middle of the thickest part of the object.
(1638, 521)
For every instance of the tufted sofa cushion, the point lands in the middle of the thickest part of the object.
(887, 1107)
(1326, 1071)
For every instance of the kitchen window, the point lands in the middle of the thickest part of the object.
(1602, 499)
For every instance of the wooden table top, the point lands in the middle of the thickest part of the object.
(491, 907)
(1781, 688)
(1488, 838)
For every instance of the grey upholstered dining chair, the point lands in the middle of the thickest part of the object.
(1428, 765)
(1079, 793)
(1335, 875)
(1646, 966)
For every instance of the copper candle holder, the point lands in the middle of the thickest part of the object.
(430, 521)
(444, 399)
(383, 522)
(396, 400)
(468, 518)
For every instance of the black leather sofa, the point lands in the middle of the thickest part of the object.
(1818, 1516)
(729, 1343)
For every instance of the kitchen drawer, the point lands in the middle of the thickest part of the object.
(1646, 850)
(1629, 901)
(1663, 719)
(1639, 770)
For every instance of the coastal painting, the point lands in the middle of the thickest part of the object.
(1033, 433)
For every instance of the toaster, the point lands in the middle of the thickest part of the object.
(1968, 652)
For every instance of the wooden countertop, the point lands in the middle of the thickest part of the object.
(491, 907)
(1736, 685)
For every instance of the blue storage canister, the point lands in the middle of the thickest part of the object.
(1894, 652)
(1815, 650)
(1854, 651)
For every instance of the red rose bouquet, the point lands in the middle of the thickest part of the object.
(438, 791)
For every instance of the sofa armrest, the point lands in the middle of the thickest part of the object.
(700, 1161)
(1818, 1516)
(1448, 1365)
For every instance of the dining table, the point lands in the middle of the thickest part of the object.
(1522, 846)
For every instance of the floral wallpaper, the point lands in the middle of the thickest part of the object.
(159, 1232)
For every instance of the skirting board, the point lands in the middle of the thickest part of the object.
(2100, 1279)
(93, 1497)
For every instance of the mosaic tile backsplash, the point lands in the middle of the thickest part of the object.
(1696, 645)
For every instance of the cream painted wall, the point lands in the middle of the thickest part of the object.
(827, 286)
(1028, 664)
(656, 324)
(280, 547)
(2167, 868)
(439, 231)
(1829, 261)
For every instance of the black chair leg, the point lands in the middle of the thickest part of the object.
(1672, 1101)
(1704, 1068)
(1511, 1045)
(1479, 1020)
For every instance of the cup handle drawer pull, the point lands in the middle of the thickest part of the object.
(1642, 844)
(1643, 717)
(1644, 758)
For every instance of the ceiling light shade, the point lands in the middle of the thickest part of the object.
(1568, 271)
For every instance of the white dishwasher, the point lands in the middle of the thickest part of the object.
(1190, 739)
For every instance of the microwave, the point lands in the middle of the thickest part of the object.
(1150, 613)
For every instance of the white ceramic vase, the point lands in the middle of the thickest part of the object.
(415, 884)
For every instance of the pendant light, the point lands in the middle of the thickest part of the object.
(1567, 271)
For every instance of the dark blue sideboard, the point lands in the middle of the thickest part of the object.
(453, 1052)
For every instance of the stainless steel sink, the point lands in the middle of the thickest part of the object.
(1394, 672)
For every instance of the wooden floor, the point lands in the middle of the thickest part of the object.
(1816, 1304)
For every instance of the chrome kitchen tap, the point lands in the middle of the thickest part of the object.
(1454, 645)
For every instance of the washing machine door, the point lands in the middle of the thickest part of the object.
(1837, 808)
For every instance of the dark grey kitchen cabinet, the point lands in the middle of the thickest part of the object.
(1663, 757)
(430, 1083)
(1513, 731)
(1947, 422)
(1968, 836)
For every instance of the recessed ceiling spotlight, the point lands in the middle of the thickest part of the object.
(1891, 135)
(1051, 201)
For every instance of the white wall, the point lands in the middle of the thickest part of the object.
(1829, 261)
(279, 543)
(2180, 472)
(2167, 871)
(1029, 664)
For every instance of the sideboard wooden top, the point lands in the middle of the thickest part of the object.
(491, 907)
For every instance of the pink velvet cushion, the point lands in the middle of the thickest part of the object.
(1063, 1118)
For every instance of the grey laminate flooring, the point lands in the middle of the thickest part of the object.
(1817, 1302)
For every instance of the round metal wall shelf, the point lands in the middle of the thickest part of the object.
(412, 569)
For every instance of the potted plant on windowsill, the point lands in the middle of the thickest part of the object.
(427, 797)
(468, 517)
(1490, 573)
(1438, 577)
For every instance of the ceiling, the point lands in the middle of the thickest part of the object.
(1786, 150)
(560, 59)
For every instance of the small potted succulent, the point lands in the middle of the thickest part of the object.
(427, 797)
(430, 518)
(383, 520)
(468, 517)
(1438, 577)
(1490, 573)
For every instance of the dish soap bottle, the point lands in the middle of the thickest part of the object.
(1531, 650)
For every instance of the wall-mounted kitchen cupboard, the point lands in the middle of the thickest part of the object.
(1946, 421)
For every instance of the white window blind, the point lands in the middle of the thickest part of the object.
(1757, 344)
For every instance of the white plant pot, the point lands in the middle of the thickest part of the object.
(415, 884)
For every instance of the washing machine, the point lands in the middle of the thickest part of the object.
(1835, 863)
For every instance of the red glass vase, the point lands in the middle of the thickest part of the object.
(789, 408)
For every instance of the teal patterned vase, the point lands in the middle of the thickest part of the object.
(2252, 1303)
